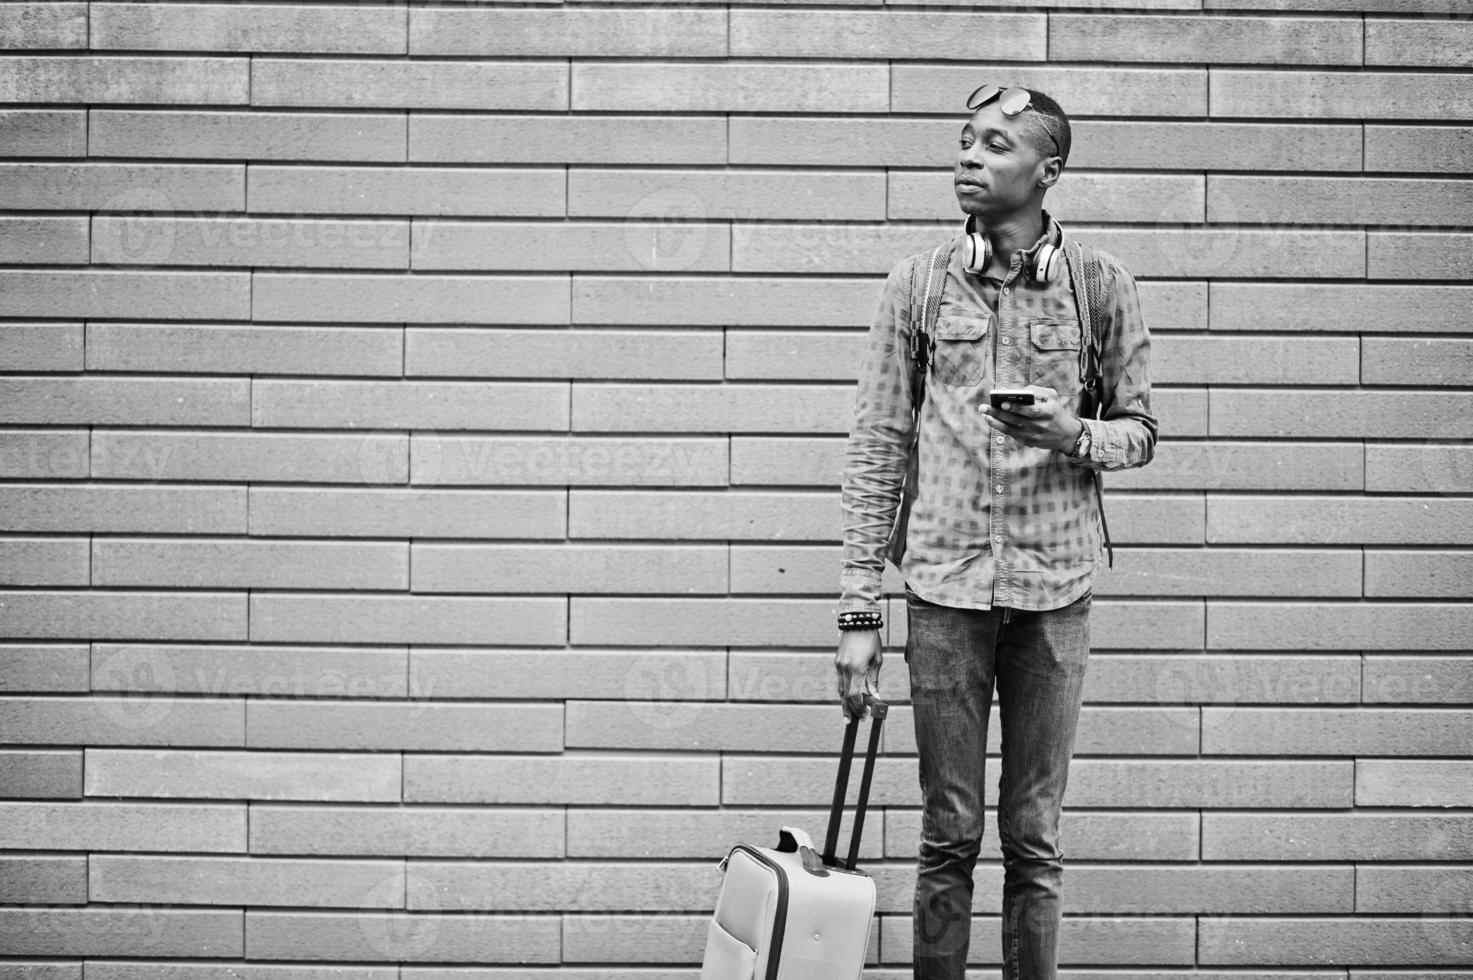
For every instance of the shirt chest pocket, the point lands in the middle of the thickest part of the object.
(961, 349)
(1053, 356)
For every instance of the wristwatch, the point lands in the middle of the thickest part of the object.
(1081, 445)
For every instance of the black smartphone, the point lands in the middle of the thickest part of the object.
(1017, 396)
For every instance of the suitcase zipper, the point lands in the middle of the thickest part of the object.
(781, 917)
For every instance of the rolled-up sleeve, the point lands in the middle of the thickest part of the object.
(877, 451)
(1124, 435)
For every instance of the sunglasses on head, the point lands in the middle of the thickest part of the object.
(1013, 101)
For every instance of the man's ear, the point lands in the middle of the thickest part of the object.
(1050, 169)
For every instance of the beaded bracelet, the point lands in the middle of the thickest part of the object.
(860, 620)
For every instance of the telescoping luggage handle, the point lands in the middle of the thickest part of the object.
(878, 709)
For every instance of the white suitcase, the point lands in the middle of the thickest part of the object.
(784, 912)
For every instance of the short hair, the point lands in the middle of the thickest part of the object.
(1054, 120)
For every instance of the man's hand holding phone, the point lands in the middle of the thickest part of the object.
(1034, 416)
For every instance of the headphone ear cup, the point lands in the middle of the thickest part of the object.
(976, 253)
(1046, 263)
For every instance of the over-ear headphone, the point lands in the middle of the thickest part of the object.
(977, 253)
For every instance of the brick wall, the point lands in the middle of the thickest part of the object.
(421, 438)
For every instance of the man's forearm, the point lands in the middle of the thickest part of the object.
(1119, 443)
(874, 477)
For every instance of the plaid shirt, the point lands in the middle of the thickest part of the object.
(994, 522)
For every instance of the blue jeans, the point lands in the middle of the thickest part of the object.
(1037, 661)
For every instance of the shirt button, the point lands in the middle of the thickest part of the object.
(999, 440)
(997, 538)
(1007, 340)
(998, 488)
(1006, 291)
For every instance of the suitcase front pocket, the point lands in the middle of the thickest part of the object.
(727, 958)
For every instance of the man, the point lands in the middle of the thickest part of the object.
(1004, 533)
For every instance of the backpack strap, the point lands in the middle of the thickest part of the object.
(1091, 299)
(923, 319)
(921, 309)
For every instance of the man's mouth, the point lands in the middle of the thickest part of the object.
(969, 182)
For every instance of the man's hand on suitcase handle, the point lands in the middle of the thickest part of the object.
(858, 664)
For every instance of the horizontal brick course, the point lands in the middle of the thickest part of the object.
(1337, 520)
(1323, 731)
(1397, 201)
(124, 186)
(1401, 782)
(1416, 362)
(141, 295)
(409, 404)
(41, 773)
(251, 242)
(223, 669)
(246, 27)
(43, 241)
(112, 931)
(628, 246)
(419, 513)
(742, 194)
(570, 568)
(586, 673)
(1381, 626)
(1322, 942)
(125, 79)
(139, 509)
(640, 780)
(729, 86)
(43, 132)
(1372, 836)
(68, 614)
(218, 349)
(1374, 308)
(419, 84)
(575, 461)
(633, 32)
(888, 34)
(380, 937)
(1385, 414)
(304, 136)
(399, 190)
(43, 25)
(1439, 149)
(666, 354)
(414, 725)
(1251, 40)
(414, 831)
(398, 618)
(296, 882)
(43, 562)
(510, 138)
(1418, 255)
(322, 298)
(256, 775)
(723, 301)
(1338, 95)
(43, 880)
(1429, 42)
